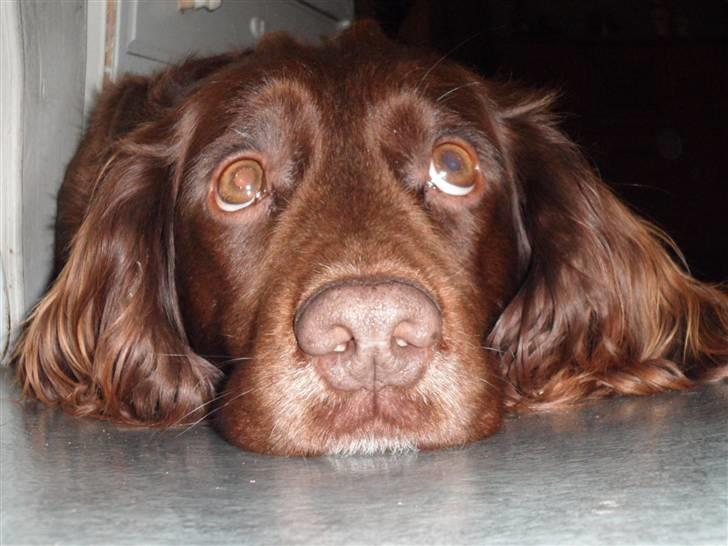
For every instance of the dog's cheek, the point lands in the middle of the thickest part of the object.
(500, 257)
(468, 393)
(217, 276)
(242, 418)
(266, 405)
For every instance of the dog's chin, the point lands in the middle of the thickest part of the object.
(380, 436)
(375, 438)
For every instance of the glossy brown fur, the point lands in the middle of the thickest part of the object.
(551, 290)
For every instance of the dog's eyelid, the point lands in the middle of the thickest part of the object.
(227, 207)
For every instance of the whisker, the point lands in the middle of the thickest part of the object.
(192, 425)
(445, 56)
(188, 354)
(209, 357)
(231, 360)
(501, 353)
(458, 88)
(193, 410)
(243, 134)
(487, 382)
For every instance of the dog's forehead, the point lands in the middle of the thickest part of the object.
(353, 82)
(332, 101)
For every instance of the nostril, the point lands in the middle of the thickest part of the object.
(422, 331)
(321, 339)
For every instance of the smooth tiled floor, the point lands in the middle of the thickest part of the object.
(623, 471)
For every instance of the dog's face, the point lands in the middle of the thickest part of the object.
(380, 250)
(346, 223)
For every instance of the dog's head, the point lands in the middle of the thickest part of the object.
(383, 246)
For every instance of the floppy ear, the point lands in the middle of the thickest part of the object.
(120, 109)
(107, 340)
(603, 307)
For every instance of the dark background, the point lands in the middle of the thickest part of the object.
(644, 89)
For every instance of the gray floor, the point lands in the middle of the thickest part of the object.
(624, 471)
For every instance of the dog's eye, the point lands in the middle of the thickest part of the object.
(241, 184)
(453, 169)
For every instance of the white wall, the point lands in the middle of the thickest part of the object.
(54, 59)
(11, 94)
(43, 77)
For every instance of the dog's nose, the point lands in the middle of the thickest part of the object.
(365, 335)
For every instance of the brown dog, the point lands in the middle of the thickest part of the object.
(386, 250)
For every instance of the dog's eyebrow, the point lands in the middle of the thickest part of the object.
(246, 135)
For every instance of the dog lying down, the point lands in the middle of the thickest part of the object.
(351, 248)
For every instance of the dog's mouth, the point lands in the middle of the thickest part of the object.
(384, 410)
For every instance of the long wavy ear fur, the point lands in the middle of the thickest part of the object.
(603, 308)
(107, 339)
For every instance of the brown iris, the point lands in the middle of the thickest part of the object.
(453, 169)
(240, 184)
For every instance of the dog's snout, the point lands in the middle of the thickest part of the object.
(369, 335)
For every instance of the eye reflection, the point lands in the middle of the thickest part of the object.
(453, 169)
(241, 184)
